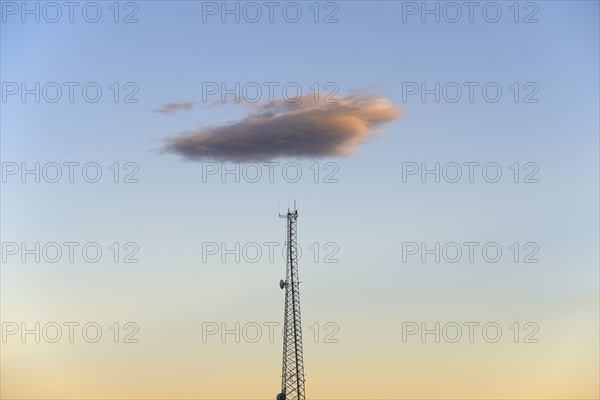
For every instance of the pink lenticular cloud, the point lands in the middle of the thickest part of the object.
(283, 129)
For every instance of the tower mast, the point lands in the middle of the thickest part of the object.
(292, 371)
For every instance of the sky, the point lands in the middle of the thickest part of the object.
(415, 145)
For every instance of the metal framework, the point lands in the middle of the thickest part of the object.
(292, 372)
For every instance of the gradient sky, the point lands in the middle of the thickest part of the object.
(369, 213)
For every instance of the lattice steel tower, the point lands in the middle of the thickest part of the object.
(292, 372)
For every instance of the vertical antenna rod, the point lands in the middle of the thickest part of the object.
(292, 371)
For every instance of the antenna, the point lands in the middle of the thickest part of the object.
(292, 370)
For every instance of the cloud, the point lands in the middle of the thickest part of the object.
(283, 129)
(172, 108)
